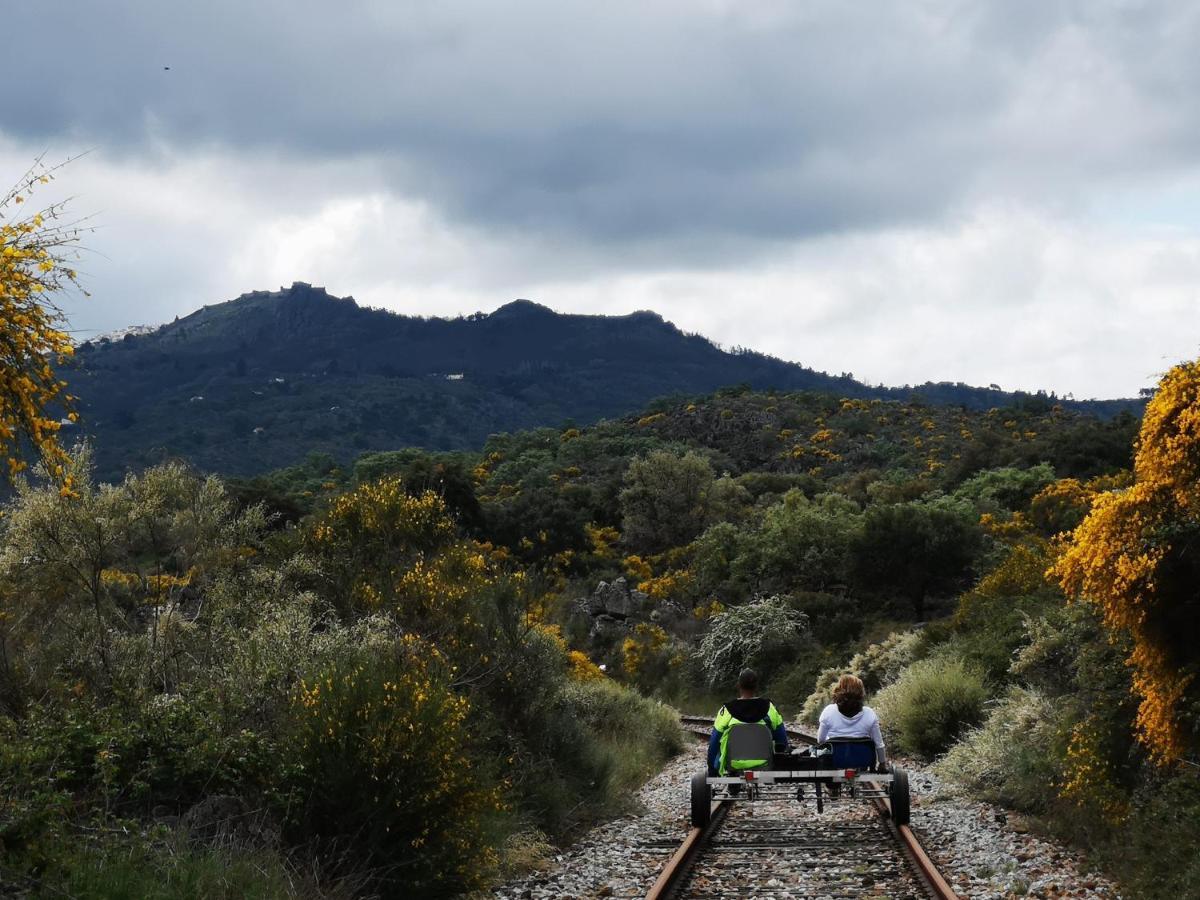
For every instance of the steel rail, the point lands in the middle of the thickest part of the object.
(677, 867)
(680, 863)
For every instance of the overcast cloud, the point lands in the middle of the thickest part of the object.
(1004, 192)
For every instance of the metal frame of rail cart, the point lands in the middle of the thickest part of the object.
(847, 765)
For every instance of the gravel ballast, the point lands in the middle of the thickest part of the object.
(983, 851)
(986, 852)
(621, 858)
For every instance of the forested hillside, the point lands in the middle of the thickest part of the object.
(810, 534)
(176, 647)
(256, 383)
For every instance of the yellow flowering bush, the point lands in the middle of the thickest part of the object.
(384, 747)
(1134, 558)
(1060, 506)
(668, 585)
(642, 648)
(1089, 779)
(581, 668)
(382, 549)
(1005, 528)
(34, 264)
(822, 436)
(637, 567)
(602, 539)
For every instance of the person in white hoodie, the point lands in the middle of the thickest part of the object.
(846, 717)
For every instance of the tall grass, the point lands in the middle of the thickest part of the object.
(1011, 758)
(632, 733)
(931, 704)
(116, 866)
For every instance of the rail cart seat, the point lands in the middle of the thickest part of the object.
(851, 753)
(749, 745)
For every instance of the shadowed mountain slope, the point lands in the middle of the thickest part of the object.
(258, 382)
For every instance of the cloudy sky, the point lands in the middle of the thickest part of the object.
(929, 190)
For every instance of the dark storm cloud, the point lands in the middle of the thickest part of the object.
(988, 191)
(674, 123)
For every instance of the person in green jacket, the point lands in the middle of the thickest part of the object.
(747, 708)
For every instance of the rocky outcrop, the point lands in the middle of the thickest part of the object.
(611, 609)
(616, 601)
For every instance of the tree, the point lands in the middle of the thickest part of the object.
(915, 549)
(1135, 558)
(665, 500)
(803, 543)
(1008, 488)
(34, 265)
(728, 501)
(763, 633)
(712, 557)
(447, 475)
(81, 576)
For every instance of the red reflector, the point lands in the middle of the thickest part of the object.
(750, 775)
(849, 773)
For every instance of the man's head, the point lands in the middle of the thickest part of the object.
(747, 683)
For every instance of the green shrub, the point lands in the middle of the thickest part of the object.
(1164, 824)
(880, 664)
(789, 687)
(577, 749)
(1007, 488)
(763, 633)
(992, 621)
(833, 621)
(640, 733)
(1013, 757)
(98, 591)
(877, 665)
(383, 776)
(621, 739)
(555, 769)
(931, 704)
(127, 758)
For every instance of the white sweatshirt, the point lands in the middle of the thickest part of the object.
(864, 724)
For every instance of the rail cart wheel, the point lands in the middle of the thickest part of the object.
(701, 800)
(899, 796)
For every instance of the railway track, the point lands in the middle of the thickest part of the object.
(779, 849)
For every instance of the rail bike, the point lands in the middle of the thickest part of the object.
(836, 770)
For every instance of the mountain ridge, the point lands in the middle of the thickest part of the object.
(257, 382)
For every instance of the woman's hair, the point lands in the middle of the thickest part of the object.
(848, 695)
